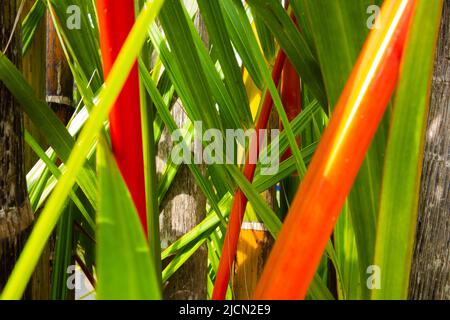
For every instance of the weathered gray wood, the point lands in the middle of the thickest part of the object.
(430, 278)
(182, 209)
(15, 212)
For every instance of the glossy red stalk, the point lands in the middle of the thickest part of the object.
(316, 207)
(116, 18)
(290, 91)
(291, 97)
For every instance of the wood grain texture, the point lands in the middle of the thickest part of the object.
(33, 69)
(15, 211)
(430, 278)
(59, 80)
(183, 207)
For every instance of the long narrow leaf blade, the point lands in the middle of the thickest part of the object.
(121, 244)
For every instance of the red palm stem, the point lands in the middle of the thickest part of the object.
(291, 97)
(116, 18)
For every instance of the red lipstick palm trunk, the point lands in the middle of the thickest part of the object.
(116, 18)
